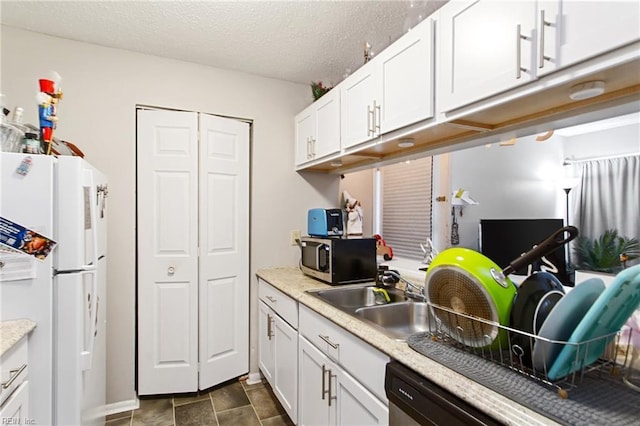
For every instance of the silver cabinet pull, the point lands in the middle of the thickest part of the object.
(171, 270)
(329, 390)
(324, 371)
(326, 339)
(369, 120)
(519, 38)
(271, 299)
(13, 375)
(308, 148)
(543, 23)
(376, 119)
(313, 147)
(269, 326)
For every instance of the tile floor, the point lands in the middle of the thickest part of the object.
(231, 403)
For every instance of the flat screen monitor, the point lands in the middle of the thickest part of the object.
(504, 240)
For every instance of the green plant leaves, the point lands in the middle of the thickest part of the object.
(603, 253)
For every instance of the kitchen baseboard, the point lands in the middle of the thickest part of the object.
(254, 378)
(122, 406)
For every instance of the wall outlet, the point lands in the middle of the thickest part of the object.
(295, 235)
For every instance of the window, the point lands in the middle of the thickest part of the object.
(404, 194)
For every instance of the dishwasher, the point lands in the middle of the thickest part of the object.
(415, 400)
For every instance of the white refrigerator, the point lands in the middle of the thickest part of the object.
(64, 199)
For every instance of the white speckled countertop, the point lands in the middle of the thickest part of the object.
(291, 281)
(12, 331)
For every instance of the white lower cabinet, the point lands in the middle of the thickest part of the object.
(331, 396)
(16, 409)
(14, 392)
(278, 346)
(341, 377)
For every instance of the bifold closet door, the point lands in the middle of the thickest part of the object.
(193, 251)
(167, 224)
(224, 249)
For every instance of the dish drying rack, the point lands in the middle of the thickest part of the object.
(467, 333)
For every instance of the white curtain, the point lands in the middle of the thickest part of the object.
(608, 197)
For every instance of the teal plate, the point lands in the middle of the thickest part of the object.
(607, 316)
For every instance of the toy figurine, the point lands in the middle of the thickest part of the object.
(47, 100)
(354, 215)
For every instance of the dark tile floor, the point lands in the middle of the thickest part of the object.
(231, 403)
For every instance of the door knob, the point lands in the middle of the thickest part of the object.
(171, 270)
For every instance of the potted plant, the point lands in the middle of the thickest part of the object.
(318, 89)
(606, 255)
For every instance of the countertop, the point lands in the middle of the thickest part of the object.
(12, 331)
(291, 281)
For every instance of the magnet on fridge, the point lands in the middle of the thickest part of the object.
(25, 166)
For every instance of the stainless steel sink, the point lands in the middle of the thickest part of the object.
(351, 298)
(399, 320)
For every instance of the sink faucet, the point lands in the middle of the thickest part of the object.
(386, 276)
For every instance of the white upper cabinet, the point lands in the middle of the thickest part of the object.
(485, 47)
(327, 125)
(305, 134)
(393, 90)
(406, 76)
(318, 129)
(358, 105)
(572, 31)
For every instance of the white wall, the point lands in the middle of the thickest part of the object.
(102, 87)
(508, 182)
(617, 141)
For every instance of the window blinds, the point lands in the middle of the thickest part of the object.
(406, 206)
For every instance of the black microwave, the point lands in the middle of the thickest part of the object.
(339, 261)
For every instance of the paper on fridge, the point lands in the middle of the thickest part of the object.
(25, 240)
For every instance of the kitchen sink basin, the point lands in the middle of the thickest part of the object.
(351, 298)
(399, 320)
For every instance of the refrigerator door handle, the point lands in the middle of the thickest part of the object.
(88, 180)
(86, 356)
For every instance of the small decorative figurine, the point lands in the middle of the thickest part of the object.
(354, 215)
(47, 100)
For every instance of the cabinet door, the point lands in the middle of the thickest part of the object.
(16, 409)
(485, 48)
(313, 407)
(286, 366)
(572, 31)
(305, 125)
(355, 404)
(327, 126)
(406, 75)
(358, 92)
(266, 354)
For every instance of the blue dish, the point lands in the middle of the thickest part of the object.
(562, 321)
(607, 316)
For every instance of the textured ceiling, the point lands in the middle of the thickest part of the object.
(299, 41)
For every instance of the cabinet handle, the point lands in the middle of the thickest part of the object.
(519, 38)
(269, 326)
(326, 339)
(369, 119)
(329, 390)
(308, 148)
(313, 147)
(376, 119)
(271, 299)
(13, 375)
(324, 371)
(543, 23)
